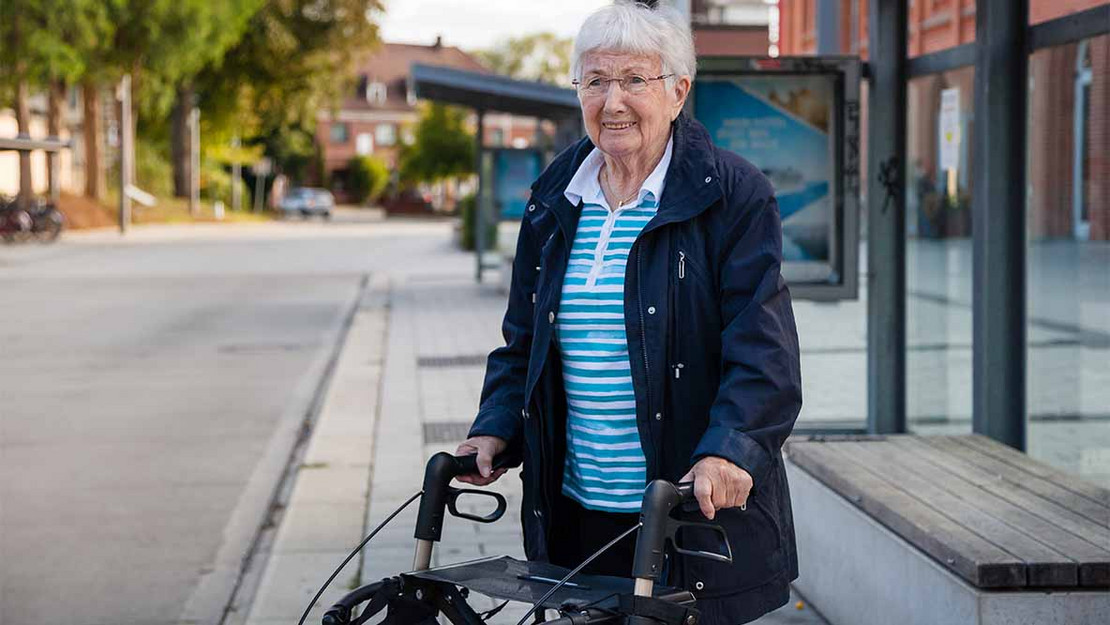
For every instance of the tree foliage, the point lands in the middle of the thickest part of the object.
(443, 146)
(367, 177)
(43, 41)
(294, 58)
(540, 56)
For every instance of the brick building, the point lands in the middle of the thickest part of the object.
(730, 27)
(1069, 111)
(380, 112)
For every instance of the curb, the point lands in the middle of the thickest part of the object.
(218, 588)
(318, 515)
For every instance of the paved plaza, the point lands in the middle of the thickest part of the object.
(378, 329)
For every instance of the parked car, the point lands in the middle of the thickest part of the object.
(307, 201)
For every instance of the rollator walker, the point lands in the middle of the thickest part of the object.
(423, 595)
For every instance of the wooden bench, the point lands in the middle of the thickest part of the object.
(910, 530)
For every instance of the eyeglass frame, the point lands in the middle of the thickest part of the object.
(580, 87)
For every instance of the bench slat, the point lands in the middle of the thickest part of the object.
(1049, 489)
(1016, 493)
(967, 554)
(970, 507)
(1014, 458)
(1041, 518)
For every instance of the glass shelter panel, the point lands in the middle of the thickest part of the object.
(938, 253)
(1068, 259)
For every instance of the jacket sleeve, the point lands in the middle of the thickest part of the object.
(502, 401)
(760, 392)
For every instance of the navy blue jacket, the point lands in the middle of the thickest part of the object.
(714, 355)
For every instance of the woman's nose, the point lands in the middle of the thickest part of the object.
(614, 98)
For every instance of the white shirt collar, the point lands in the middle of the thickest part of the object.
(585, 186)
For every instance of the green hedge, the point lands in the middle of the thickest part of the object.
(367, 178)
(467, 208)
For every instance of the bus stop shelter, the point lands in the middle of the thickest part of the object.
(492, 93)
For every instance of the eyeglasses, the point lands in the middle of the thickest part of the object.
(633, 84)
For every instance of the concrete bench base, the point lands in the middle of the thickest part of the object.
(861, 573)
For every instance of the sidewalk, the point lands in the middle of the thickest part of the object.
(406, 386)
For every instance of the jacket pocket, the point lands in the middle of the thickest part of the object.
(755, 536)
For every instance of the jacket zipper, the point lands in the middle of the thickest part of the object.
(643, 331)
(681, 276)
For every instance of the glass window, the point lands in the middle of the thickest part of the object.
(364, 143)
(938, 253)
(1068, 258)
(338, 133)
(385, 134)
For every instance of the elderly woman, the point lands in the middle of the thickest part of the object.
(649, 333)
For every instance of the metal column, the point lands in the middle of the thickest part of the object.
(886, 221)
(126, 153)
(828, 27)
(478, 222)
(998, 220)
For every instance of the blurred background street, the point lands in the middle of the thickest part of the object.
(253, 256)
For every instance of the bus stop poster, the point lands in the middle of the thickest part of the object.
(514, 171)
(782, 124)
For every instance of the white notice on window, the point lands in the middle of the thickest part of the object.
(950, 129)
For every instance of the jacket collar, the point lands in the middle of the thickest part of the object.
(692, 181)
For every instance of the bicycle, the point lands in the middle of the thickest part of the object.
(420, 596)
(15, 223)
(47, 222)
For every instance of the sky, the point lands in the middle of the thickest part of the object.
(475, 24)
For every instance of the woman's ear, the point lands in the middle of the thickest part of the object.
(681, 92)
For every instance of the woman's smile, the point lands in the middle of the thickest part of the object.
(617, 126)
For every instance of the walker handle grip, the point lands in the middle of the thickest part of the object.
(437, 493)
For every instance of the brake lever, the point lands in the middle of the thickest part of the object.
(689, 504)
(454, 493)
(673, 525)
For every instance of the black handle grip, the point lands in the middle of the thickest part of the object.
(468, 465)
(437, 493)
(725, 557)
(452, 500)
(660, 498)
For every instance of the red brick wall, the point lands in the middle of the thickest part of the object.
(1099, 151)
(730, 41)
(1051, 142)
(939, 24)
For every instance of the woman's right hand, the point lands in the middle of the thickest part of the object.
(487, 447)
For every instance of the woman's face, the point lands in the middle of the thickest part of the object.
(622, 124)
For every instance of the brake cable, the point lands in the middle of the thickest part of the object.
(566, 579)
(356, 550)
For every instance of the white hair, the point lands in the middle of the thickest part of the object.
(632, 27)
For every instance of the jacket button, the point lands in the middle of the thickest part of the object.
(699, 585)
(524, 413)
(707, 179)
(551, 317)
(532, 207)
(538, 513)
(651, 310)
(659, 416)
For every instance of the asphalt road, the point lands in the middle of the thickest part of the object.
(149, 388)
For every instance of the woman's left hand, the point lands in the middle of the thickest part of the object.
(718, 484)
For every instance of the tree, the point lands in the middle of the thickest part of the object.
(367, 177)
(163, 44)
(539, 56)
(294, 58)
(442, 148)
(45, 44)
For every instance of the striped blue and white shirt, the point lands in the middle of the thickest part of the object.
(605, 465)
